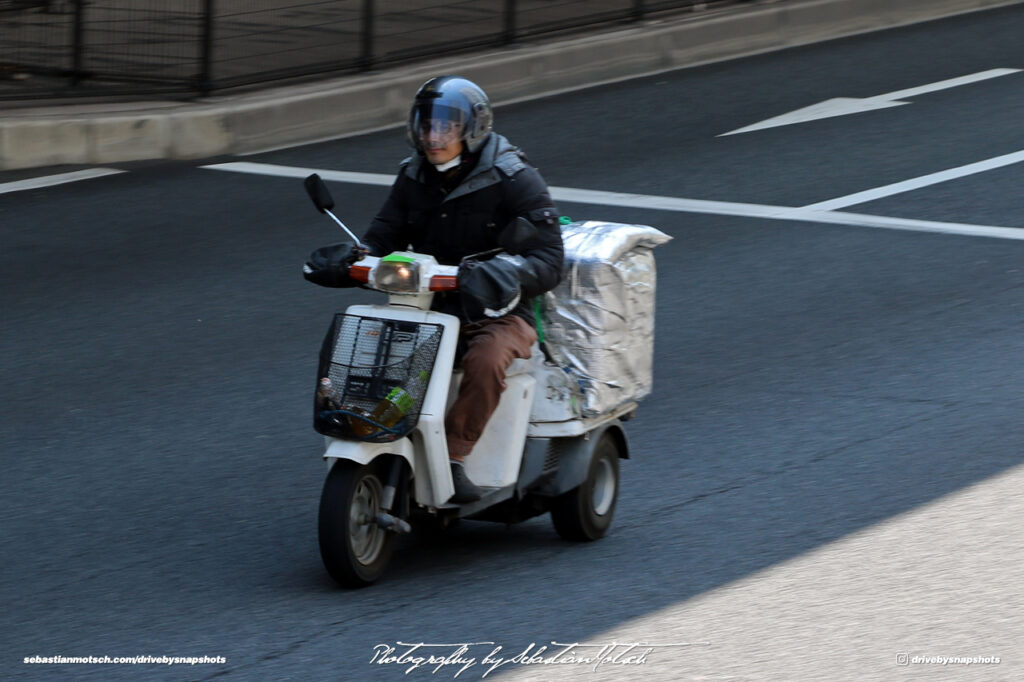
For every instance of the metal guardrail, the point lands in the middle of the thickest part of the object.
(60, 48)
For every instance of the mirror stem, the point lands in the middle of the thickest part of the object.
(347, 231)
(489, 252)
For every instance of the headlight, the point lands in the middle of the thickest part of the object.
(397, 274)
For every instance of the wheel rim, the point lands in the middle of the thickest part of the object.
(365, 536)
(604, 487)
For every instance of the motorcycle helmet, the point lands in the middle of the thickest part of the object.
(454, 105)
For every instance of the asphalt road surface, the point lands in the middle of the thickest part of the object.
(825, 482)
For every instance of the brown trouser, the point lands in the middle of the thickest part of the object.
(492, 345)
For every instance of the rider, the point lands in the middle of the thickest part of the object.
(451, 200)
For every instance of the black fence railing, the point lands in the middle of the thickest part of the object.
(195, 47)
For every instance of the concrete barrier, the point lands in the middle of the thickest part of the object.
(104, 134)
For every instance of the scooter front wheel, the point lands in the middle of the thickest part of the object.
(354, 548)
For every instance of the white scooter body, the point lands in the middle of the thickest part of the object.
(496, 459)
(425, 448)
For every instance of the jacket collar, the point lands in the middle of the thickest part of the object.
(483, 175)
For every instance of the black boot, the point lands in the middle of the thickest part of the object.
(465, 489)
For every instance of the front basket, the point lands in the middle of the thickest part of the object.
(364, 359)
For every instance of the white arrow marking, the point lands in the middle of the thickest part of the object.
(841, 106)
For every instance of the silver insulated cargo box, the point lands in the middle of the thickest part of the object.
(599, 321)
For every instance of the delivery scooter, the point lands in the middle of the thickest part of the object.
(387, 375)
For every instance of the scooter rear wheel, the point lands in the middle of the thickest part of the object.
(585, 512)
(354, 548)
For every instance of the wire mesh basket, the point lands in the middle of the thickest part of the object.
(373, 376)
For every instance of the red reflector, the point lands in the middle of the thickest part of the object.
(359, 273)
(444, 283)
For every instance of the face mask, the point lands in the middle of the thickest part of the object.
(451, 164)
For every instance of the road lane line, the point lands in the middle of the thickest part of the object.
(917, 183)
(646, 201)
(295, 172)
(906, 224)
(660, 203)
(60, 179)
(657, 203)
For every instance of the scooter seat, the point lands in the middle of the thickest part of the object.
(526, 365)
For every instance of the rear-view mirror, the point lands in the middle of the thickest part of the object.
(318, 192)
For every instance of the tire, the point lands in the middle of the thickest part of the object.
(354, 549)
(585, 512)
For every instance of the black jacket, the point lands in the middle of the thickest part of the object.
(420, 215)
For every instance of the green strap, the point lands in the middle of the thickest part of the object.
(538, 317)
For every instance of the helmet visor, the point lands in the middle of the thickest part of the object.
(435, 133)
(437, 124)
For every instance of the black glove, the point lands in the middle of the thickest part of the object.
(328, 266)
(488, 288)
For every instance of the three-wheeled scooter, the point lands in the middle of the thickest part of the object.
(387, 375)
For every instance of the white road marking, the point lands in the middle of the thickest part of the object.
(841, 106)
(295, 172)
(917, 183)
(659, 203)
(643, 201)
(586, 196)
(907, 224)
(51, 180)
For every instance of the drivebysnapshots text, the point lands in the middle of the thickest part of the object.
(909, 659)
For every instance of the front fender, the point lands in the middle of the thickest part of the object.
(364, 453)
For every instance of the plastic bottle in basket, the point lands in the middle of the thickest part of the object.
(325, 394)
(394, 407)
